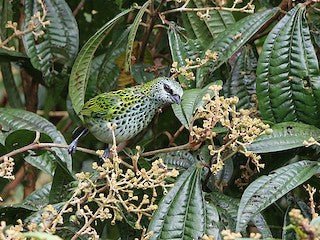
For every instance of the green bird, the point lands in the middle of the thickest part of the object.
(130, 109)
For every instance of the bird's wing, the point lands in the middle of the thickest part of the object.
(107, 105)
(101, 106)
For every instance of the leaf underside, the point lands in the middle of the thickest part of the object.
(267, 189)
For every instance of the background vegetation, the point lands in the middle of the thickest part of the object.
(237, 159)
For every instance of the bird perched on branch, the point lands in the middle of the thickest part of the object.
(130, 109)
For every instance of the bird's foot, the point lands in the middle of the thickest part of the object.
(73, 146)
(79, 132)
(103, 153)
(106, 153)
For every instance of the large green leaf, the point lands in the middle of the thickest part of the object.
(132, 35)
(228, 209)
(232, 39)
(60, 41)
(284, 136)
(14, 119)
(81, 68)
(179, 159)
(182, 212)
(208, 28)
(34, 202)
(242, 82)
(93, 76)
(109, 71)
(288, 76)
(60, 190)
(45, 162)
(191, 101)
(181, 50)
(39, 198)
(267, 189)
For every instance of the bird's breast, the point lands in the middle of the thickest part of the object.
(128, 123)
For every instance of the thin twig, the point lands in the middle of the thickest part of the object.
(86, 225)
(54, 113)
(166, 150)
(176, 134)
(78, 8)
(183, 8)
(35, 146)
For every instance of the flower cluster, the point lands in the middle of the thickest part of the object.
(302, 226)
(229, 235)
(6, 168)
(189, 65)
(241, 127)
(109, 192)
(13, 232)
(36, 25)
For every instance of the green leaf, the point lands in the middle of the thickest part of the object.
(14, 119)
(5, 16)
(132, 36)
(222, 178)
(284, 136)
(12, 55)
(190, 102)
(139, 73)
(267, 189)
(81, 68)
(181, 213)
(45, 162)
(41, 236)
(208, 28)
(313, 16)
(180, 159)
(242, 82)
(212, 220)
(232, 39)
(37, 216)
(34, 202)
(38, 199)
(109, 71)
(228, 209)
(93, 76)
(60, 41)
(288, 76)
(10, 85)
(59, 189)
(180, 50)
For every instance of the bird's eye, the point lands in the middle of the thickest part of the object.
(167, 89)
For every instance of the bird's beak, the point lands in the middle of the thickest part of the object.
(176, 99)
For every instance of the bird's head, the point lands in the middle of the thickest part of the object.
(166, 90)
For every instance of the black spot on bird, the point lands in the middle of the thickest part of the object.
(290, 130)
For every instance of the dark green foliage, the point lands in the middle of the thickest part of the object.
(268, 59)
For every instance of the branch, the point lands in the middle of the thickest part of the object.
(246, 9)
(86, 225)
(36, 146)
(78, 8)
(167, 150)
(151, 23)
(284, 6)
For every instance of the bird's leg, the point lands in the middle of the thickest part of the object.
(106, 152)
(73, 145)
